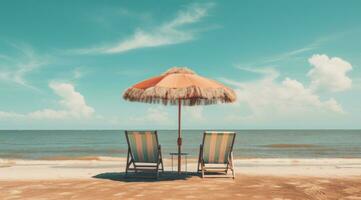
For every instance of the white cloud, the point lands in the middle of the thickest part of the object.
(165, 117)
(171, 32)
(72, 102)
(269, 73)
(15, 68)
(298, 53)
(269, 99)
(156, 114)
(194, 113)
(288, 55)
(10, 115)
(329, 73)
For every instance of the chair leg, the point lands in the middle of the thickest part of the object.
(160, 157)
(198, 167)
(126, 168)
(202, 166)
(233, 173)
(227, 168)
(232, 165)
(199, 158)
(135, 168)
(162, 165)
(157, 170)
(127, 165)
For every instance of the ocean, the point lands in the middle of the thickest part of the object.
(63, 144)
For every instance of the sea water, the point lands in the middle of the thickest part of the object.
(56, 144)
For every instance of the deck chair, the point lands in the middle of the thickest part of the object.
(144, 152)
(216, 153)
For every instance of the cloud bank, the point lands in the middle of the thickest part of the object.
(329, 74)
(269, 98)
(72, 102)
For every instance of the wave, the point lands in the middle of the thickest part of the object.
(97, 158)
(291, 146)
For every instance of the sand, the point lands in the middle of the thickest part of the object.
(114, 186)
(103, 178)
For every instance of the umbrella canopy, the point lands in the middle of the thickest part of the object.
(180, 83)
(180, 86)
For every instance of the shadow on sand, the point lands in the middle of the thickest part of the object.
(145, 177)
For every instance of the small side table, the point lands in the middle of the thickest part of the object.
(185, 155)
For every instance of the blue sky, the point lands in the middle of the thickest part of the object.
(65, 65)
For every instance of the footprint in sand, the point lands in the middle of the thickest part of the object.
(313, 190)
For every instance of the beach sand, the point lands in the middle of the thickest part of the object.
(103, 178)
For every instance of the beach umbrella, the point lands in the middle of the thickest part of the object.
(180, 86)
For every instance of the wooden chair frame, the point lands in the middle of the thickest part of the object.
(203, 168)
(133, 166)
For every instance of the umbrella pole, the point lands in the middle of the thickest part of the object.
(179, 136)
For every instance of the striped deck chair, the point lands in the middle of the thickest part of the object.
(216, 153)
(144, 152)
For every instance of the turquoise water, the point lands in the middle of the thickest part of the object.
(52, 144)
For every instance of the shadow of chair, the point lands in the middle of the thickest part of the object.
(144, 177)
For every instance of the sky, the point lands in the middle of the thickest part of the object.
(293, 65)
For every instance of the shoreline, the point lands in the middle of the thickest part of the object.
(190, 157)
(17, 169)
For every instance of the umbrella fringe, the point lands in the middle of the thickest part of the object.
(190, 96)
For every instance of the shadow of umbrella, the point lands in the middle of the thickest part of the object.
(122, 177)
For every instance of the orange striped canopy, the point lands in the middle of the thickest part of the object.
(180, 83)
